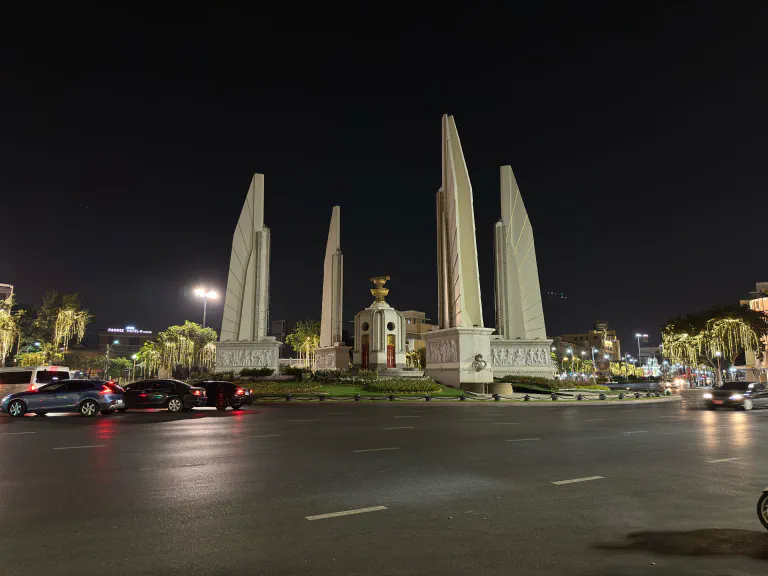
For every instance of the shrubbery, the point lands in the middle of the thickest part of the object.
(294, 371)
(367, 375)
(403, 386)
(256, 372)
(280, 388)
(327, 376)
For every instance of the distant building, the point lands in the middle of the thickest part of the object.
(123, 342)
(416, 325)
(277, 328)
(6, 291)
(600, 337)
(648, 352)
(756, 367)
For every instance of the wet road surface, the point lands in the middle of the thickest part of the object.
(386, 488)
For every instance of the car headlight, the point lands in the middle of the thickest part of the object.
(706, 395)
(736, 396)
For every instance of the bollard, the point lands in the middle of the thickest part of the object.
(322, 397)
(647, 394)
(357, 397)
(288, 397)
(637, 394)
(656, 394)
(554, 396)
(602, 396)
(427, 397)
(526, 397)
(579, 397)
(391, 397)
(621, 395)
(497, 397)
(462, 397)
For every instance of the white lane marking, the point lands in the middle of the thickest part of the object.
(264, 436)
(595, 420)
(335, 413)
(78, 447)
(377, 449)
(309, 420)
(400, 428)
(405, 416)
(637, 432)
(15, 433)
(722, 460)
(346, 513)
(585, 479)
(523, 440)
(505, 423)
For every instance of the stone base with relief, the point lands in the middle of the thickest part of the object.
(333, 358)
(519, 358)
(460, 357)
(234, 356)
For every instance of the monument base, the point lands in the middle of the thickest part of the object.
(521, 358)
(333, 358)
(460, 357)
(234, 356)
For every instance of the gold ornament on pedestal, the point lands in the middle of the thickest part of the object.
(379, 292)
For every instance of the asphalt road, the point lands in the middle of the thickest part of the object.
(456, 489)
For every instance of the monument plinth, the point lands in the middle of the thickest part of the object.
(458, 354)
(380, 335)
(332, 353)
(243, 340)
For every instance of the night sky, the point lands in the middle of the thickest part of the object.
(129, 140)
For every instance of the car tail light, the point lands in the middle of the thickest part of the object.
(105, 390)
(32, 388)
(196, 392)
(143, 395)
(239, 392)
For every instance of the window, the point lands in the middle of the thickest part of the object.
(143, 385)
(24, 377)
(163, 385)
(77, 386)
(46, 376)
(56, 386)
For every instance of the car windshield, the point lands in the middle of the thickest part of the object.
(735, 386)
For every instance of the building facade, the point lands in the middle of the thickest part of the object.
(416, 325)
(6, 291)
(600, 337)
(756, 366)
(123, 342)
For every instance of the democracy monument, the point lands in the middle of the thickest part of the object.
(462, 352)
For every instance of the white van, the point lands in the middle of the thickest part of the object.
(32, 377)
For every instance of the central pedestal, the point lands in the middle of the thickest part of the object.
(460, 357)
(234, 356)
(333, 358)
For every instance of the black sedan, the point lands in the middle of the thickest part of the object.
(171, 394)
(743, 395)
(222, 394)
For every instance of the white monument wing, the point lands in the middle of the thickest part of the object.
(333, 280)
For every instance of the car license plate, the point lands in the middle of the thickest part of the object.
(118, 401)
(717, 401)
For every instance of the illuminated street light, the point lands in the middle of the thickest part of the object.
(206, 295)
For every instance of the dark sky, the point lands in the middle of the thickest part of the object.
(129, 140)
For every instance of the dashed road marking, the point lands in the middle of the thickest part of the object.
(522, 439)
(78, 447)
(264, 436)
(307, 420)
(405, 416)
(377, 449)
(722, 460)
(400, 428)
(335, 413)
(595, 420)
(15, 433)
(585, 479)
(346, 513)
(505, 423)
(637, 432)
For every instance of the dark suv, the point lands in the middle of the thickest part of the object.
(744, 395)
(171, 394)
(223, 394)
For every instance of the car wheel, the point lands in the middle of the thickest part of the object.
(221, 404)
(89, 408)
(747, 405)
(237, 406)
(17, 408)
(175, 405)
(762, 509)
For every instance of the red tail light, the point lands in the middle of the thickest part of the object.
(142, 395)
(32, 388)
(105, 390)
(196, 392)
(239, 392)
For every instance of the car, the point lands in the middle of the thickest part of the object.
(743, 395)
(222, 394)
(173, 395)
(88, 397)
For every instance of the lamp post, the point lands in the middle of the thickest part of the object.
(718, 354)
(205, 294)
(133, 374)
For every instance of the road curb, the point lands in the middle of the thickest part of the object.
(437, 402)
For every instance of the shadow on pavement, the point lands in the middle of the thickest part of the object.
(708, 541)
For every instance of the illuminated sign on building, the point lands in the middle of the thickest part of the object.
(129, 330)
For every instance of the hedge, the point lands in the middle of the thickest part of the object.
(327, 376)
(367, 375)
(280, 388)
(256, 372)
(403, 386)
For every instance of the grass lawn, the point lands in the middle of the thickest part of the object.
(352, 390)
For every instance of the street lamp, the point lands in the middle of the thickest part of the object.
(205, 294)
(133, 374)
(718, 354)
